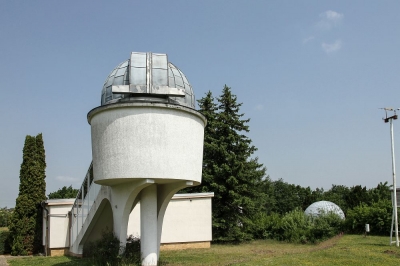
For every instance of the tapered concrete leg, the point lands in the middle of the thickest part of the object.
(164, 195)
(148, 225)
(122, 200)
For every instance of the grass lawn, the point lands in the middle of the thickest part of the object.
(346, 250)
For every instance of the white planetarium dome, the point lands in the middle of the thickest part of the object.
(320, 207)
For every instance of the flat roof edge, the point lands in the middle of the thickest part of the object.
(60, 201)
(50, 202)
(193, 195)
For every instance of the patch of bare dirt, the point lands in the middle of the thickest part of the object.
(389, 252)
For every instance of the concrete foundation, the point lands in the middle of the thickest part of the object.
(186, 245)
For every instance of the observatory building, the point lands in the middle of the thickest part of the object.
(147, 144)
(324, 207)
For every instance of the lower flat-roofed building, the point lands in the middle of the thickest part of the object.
(187, 223)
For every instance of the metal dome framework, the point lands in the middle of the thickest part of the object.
(147, 77)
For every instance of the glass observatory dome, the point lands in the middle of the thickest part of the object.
(320, 207)
(147, 77)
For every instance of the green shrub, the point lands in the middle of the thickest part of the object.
(5, 247)
(378, 215)
(106, 251)
(325, 226)
(262, 225)
(266, 226)
(296, 227)
(132, 253)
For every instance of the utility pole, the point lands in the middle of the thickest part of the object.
(394, 197)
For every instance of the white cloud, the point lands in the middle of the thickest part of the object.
(259, 107)
(308, 39)
(332, 16)
(332, 47)
(69, 179)
(329, 19)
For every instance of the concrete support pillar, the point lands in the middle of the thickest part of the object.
(148, 225)
(123, 198)
(164, 195)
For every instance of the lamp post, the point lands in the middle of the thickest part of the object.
(394, 198)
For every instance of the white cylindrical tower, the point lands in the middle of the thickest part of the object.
(138, 140)
(146, 129)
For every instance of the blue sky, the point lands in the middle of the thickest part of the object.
(311, 76)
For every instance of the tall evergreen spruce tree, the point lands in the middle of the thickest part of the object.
(229, 170)
(237, 197)
(26, 222)
(208, 108)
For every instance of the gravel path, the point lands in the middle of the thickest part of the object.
(3, 261)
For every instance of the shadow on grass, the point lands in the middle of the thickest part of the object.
(376, 244)
(74, 261)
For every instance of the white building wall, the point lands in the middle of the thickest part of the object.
(187, 219)
(58, 223)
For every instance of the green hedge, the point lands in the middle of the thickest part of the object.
(5, 247)
(296, 227)
(378, 215)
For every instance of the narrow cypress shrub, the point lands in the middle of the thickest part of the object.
(26, 221)
(40, 194)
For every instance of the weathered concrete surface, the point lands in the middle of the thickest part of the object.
(132, 141)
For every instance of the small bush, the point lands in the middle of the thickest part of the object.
(325, 226)
(296, 227)
(132, 253)
(378, 215)
(262, 225)
(106, 251)
(5, 247)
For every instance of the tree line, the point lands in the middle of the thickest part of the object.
(5, 216)
(285, 197)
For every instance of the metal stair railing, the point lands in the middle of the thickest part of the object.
(83, 203)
